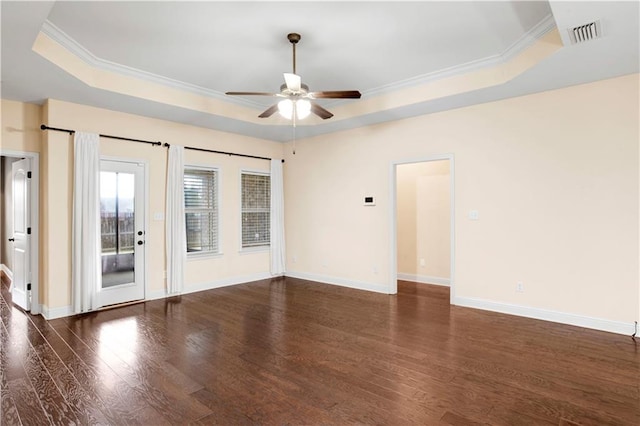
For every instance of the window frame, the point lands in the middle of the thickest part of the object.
(253, 248)
(218, 203)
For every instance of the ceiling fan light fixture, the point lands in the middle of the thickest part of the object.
(285, 108)
(302, 107)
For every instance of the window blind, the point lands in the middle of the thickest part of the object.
(256, 206)
(201, 210)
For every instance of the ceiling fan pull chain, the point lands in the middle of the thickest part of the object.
(294, 133)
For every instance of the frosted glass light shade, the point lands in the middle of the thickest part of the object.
(285, 108)
(302, 106)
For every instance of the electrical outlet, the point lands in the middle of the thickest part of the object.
(422, 263)
(375, 270)
(520, 287)
(295, 259)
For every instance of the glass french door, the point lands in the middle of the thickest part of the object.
(122, 231)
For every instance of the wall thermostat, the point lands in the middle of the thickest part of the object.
(369, 201)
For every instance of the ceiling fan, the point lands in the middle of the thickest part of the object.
(298, 101)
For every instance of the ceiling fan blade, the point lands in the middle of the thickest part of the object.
(294, 82)
(269, 111)
(319, 111)
(251, 94)
(336, 94)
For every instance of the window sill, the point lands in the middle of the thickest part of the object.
(256, 249)
(201, 256)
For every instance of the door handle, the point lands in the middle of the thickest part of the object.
(12, 239)
(140, 242)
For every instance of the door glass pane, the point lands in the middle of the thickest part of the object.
(125, 212)
(117, 227)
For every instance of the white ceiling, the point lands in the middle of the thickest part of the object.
(374, 47)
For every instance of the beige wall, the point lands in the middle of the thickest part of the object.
(21, 132)
(20, 126)
(554, 177)
(423, 221)
(58, 172)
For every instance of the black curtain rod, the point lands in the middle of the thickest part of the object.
(224, 152)
(44, 127)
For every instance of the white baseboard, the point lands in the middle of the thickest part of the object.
(209, 285)
(7, 271)
(53, 313)
(424, 279)
(9, 274)
(225, 282)
(66, 311)
(360, 285)
(619, 327)
(548, 315)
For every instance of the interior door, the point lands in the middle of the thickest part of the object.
(21, 265)
(122, 231)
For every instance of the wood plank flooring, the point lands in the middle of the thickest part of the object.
(294, 352)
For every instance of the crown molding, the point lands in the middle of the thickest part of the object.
(526, 40)
(56, 34)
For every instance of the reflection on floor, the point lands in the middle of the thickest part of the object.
(116, 278)
(289, 351)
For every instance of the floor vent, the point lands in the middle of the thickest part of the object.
(585, 32)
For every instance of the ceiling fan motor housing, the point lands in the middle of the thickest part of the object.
(304, 88)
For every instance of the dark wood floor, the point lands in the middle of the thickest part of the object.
(289, 351)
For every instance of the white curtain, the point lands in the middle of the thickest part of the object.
(86, 265)
(278, 255)
(176, 247)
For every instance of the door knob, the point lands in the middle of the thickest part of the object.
(140, 232)
(12, 239)
(140, 243)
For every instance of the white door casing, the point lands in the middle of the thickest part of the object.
(393, 260)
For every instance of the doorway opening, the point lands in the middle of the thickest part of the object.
(19, 230)
(422, 222)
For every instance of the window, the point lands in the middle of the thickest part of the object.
(201, 210)
(256, 209)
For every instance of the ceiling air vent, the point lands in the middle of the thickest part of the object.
(585, 32)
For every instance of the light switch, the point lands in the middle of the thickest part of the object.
(158, 216)
(473, 214)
